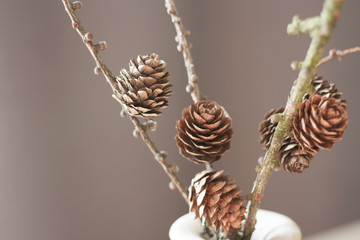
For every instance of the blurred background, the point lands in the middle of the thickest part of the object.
(69, 166)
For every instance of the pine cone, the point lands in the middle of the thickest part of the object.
(292, 157)
(204, 132)
(216, 200)
(318, 123)
(267, 128)
(145, 89)
(324, 88)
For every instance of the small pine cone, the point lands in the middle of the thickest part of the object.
(216, 200)
(292, 157)
(146, 88)
(318, 123)
(324, 88)
(267, 128)
(204, 132)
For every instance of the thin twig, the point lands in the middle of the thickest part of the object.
(94, 50)
(184, 47)
(87, 37)
(338, 54)
(320, 37)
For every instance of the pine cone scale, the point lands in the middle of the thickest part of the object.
(194, 137)
(193, 152)
(147, 81)
(222, 126)
(198, 119)
(215, 186)
(161, 67)
(213, 150)
(198, 129)
(144, 69)
(201, 146)
(214, 126)
(207, 117)
(203, 174)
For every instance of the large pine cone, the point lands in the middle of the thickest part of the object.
(326, 89)
(204, 132)
(267, 128)
(318, 123)
(292, 157)
(146, 88)
(216, 200)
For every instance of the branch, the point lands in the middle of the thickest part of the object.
(320, 37)
(184, 47)
(87, 37)
(101, 67)
(338, 54)
(299, 27)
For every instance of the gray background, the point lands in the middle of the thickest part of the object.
(69, 166)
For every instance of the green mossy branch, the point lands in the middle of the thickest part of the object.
(319, 29)
(299, 27)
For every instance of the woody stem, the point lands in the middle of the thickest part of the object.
(320, 30)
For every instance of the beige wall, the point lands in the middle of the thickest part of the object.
(69, 166)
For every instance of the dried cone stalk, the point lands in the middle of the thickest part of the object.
(318, 123)
(145, 89)
(292, 157)
(267, 128)
(204, 132)
(216, 201)
(326, 89)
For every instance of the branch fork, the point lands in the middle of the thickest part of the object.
(299, 27)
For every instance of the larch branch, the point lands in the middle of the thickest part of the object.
(184, 47)
(338, 54)
(94, 49)
(320, 37)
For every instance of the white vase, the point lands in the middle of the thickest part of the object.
(270, 226)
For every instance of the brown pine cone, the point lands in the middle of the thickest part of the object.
(204, 132)
(292, 157)
(318, 123)
(146, 88)
(324, 88)
(267, 128)
(216, 200)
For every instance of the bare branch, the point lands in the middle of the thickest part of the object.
(184, 47)
(87, 37)
(338, 54)
(94, 49)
